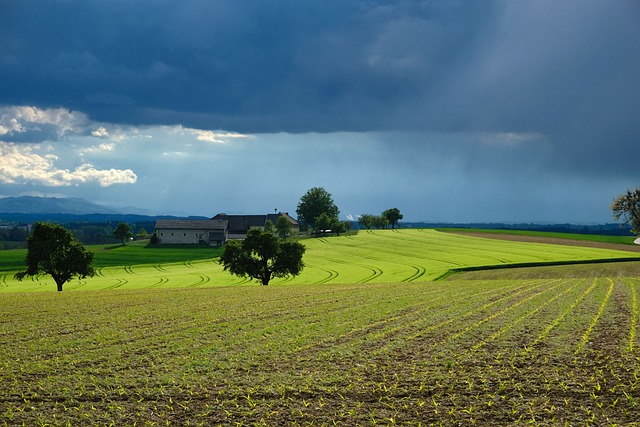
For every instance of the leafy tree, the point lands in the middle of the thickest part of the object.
(626, 207)
(268, 226)
(142, 234)
(314, 202)
(283, 227)
(123, 232)
(367, 221)
(54, 251)
(393, 215)
(324, 222)
(380, 221)
(263, 256)
(339, 226)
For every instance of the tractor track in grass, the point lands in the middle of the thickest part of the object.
(72, 285)
(119, 283)
(162, 280)
(204, 279)
(332, 275)
(375, 272)
(420, 271)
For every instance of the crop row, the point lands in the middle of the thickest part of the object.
(538, 351)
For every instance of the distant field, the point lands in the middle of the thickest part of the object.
(621, 240)
(408, 255)
(528, 351)
(118, 255)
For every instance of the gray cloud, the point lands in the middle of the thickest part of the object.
(453, 86)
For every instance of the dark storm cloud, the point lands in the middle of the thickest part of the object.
(565, 69)
(290, 66)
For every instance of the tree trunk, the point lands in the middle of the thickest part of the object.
(59, 283)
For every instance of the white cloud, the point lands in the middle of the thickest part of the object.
(22, 119)
(205, 135)
(19, 164)
(101, 132)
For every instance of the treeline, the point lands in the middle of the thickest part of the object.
(100, 233)
(14, 236)
(91, 229)
(389, 217)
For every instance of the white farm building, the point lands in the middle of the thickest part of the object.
(182, 231)
(215, 231)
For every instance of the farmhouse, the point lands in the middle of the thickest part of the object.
(215, 231)
(239, 225)
(185, 231)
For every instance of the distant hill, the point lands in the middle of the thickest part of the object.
(52, 205)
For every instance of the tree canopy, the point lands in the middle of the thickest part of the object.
(313, 203)
(54, 251)
(262, 256)
(366, 220)
(626, 207)
(123, 232)
(393, 215)
(283, 227)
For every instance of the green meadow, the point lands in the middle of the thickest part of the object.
(381, 256)
(367, 338)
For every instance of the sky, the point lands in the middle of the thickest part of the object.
(449, 110)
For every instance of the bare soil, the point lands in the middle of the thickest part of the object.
(549, 240)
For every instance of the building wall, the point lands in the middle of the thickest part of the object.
(177, 236)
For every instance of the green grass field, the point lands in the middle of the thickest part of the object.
(368, 340)
(381, 256)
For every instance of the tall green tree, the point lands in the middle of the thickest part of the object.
(283, 227)
(314, 202)
(380, 221)
(262, 256)
(393, 215)
(325, 223)
(626, 207)
(123, 232)
(367, 221)
(54, 251)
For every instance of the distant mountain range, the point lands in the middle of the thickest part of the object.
(53, 205)
(28, 209)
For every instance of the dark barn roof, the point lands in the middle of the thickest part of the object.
(191, 224)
